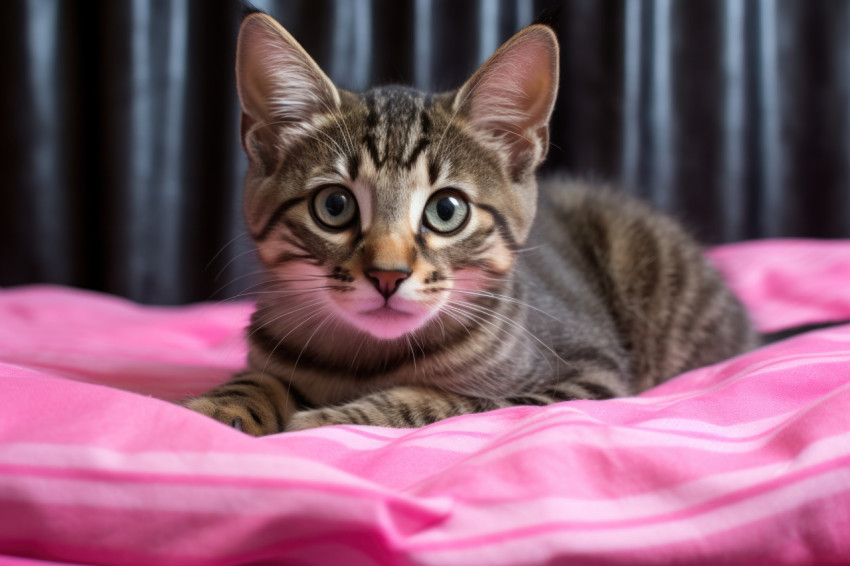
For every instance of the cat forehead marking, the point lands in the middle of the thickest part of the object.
(397, 128)
(392, 197)
(396, 133)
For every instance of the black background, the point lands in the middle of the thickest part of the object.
(119, 153)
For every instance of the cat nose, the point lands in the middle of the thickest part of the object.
(387, 281)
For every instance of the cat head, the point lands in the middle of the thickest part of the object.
(380, 208)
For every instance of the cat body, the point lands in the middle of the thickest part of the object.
(416, 271)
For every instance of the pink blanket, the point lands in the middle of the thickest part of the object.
(744, 462)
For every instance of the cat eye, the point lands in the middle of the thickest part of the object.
(446, 211)
(334, 207)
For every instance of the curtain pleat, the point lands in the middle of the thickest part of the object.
(120, 155)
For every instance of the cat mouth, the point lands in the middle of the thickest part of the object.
(386, 311)
(388, 321)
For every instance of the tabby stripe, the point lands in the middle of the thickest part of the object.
(644, 244)
(357, 415)
(244, 381)
(267, 394)
(681, 321)
(254, 415)
(478, 240)
(502, 224)
(654, 299)
(353, 166)
(278, 417)
(270, 395)
(381, 403)
(434, 412)
(580, 391)
(420, 147)
(286, 257)
(222, 393)
(481, 405)
(559, 393)
(406, 415)
(597, 390)
(424, 120)
(593, 356)
(233, 389)
(705, 319)
(369, 137)
(530, 399)
(593, 246)
(276, 216)
(428, 415)
(681, 285)
(369, 142)
(434, 169)
(567, 389)
(261, 337)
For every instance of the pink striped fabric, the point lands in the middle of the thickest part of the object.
(744, 462)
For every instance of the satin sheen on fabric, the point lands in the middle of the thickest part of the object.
(747, 461)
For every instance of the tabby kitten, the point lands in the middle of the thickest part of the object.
(411, 277)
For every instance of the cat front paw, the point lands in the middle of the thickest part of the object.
(234, 415)
(315, 418)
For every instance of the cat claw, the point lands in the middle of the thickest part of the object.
(237, 423)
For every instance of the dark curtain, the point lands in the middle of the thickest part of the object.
(121, 167)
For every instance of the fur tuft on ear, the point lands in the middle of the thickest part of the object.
(279, 84)
(510, 97)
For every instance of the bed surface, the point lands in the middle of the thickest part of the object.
(747, 461)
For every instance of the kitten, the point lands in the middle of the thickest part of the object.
(411, 276)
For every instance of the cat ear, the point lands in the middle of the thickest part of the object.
(510, 97)
(279, 84)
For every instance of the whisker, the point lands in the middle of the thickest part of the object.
(412, 353)
(454, 113)
(357, 352)
(224, 247)
(335, 148)
(480, 277)
(255, 273)
(302, 307)
(513, 323)
(415, 341)
(456, 319)
(483, 320)
(530, 249)
(298, 359)
(293, 329)
(507, 299)
(231, 260)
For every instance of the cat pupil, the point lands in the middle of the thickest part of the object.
(335, 205)
(446, 208)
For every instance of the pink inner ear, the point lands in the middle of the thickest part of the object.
(515, 88)
(276, 78)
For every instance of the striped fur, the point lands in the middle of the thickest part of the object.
(390, 320)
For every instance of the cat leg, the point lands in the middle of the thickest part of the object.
(587, 384)
(252, 402)
(400, 407)
(408, 407)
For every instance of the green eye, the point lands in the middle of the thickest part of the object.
(334, 207)
(446, 211)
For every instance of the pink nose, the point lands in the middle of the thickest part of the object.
(387, 281)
